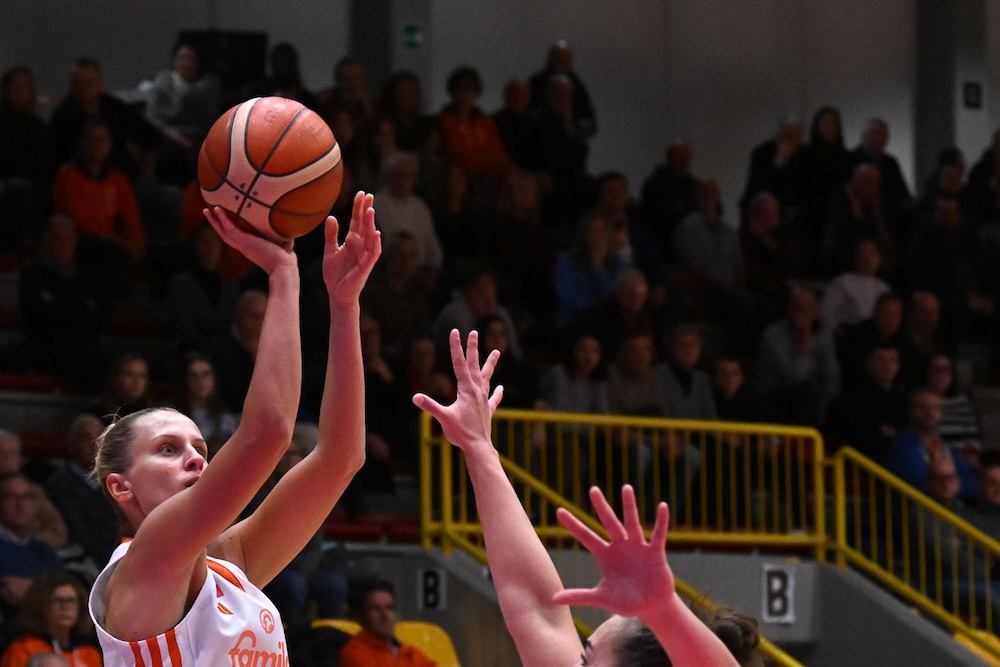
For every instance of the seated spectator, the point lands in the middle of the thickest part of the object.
(305, 579)
(476, 299)
(470, 136)
(102, 202)
(132, 136)
(628, 311)
(234, 351)
(711, 273)
(797, 366)
(394, 296)
(559, 62)
(400, 209)
(200, 400)
(942, 260)
(517, 377)
(917, 449)
(883, 328)
(707, 245)
(182, 102)
(687, 388)
(850, 297)
(23, 557)
(946, 180)
(26, 162)
(126, 390)
(91, 520)
(629, 239)
(922, 336)
(348, 94)
(960, 426)
(869, 416)
(520, 246)
(561, 150)
(987, 505)
(892, 188)
(828, 163)
(459, 222)
(668, 196)
(53, 619)
(389, 416)
(285, 79)
(735, 399)
(943, 548)
(374, 607)
(422, 372)
(585, 276)
(64, 310)
(401, 102)
(201, 299)
(49, 527)
(634, 386)
(767, 260)
(516, 125)
(576, 384)
(856, 214)
(778, 166)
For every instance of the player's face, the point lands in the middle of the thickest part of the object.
(602, 648)
(169, 455)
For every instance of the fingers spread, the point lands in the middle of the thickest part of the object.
(577, 597)
(659, 536)
(590, 540)
(616, 531)
(630, 513)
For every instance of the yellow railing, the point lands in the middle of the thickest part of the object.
(925, 554)
(773, 478)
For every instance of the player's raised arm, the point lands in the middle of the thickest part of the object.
(522, 571)
(298, 505)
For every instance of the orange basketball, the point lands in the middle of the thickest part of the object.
(274, 164)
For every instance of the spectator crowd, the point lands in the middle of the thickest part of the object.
(834, 296)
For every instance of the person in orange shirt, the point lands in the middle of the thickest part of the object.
(53, 619)
(376, 645)
(99, 198)
(471, 137)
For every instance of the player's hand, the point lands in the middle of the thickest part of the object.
(346, 266)
(466, 422)
(266, 254)
(635, 577)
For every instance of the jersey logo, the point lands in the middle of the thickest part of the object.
(245, 653)
(266, 621)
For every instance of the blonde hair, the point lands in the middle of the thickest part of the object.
(114, 452)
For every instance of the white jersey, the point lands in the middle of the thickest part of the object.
(231, 623)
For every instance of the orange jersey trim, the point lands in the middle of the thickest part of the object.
(223, 572)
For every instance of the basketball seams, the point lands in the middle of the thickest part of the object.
(306, 165)
(274, 205)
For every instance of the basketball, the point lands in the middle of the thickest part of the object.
(274, 164)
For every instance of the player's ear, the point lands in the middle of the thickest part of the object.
(119, 487)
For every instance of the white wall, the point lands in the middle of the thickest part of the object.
(717, 72)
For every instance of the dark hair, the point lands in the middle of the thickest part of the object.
(814, 137)
(737, 631)
(214, 402)
(8, 76)
(387, 100)
(357, 597)
(462, 74)
(31, 615)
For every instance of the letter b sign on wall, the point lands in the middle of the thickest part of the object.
(432, 590)
(778, 599)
